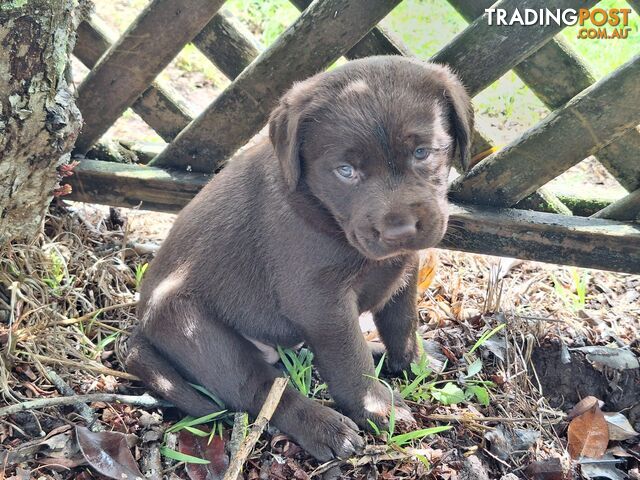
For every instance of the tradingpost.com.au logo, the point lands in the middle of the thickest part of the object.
(595, 23)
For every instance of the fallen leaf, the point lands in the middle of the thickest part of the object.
(506, 442)
(616, 358)
(619, 426)
(200, 447)
(550, 469)
(583, 406)
(60, 445)
(108, 453)
(427, 272)
(601, 468)
(588, 434)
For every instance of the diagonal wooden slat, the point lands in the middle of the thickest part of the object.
(586, 242)
(162, 110)
(482, 53)
(622, 159)
(322, 34)
(589, 121)
(627, 208)
(227, 44)
(556, 73)
(377, 42)
(132, 63)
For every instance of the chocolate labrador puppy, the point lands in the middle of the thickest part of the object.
(297, 237)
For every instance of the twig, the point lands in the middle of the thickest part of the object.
(473, 418)
(90, 315)
(152, 461)
(270, 404)
(84, 410)
(144, 400)
(82, 366)
(238, 432)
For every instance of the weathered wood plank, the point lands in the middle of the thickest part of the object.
(227, 44)
(555, 74)
(546, 237)
(622, 159)
(554, 145)
(162, 109)
(125, 185)
(322, 34)
(627, 208)
(132, 63)
(482, 53)
(586, 242)
(377, 42)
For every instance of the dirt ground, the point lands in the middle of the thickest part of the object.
(67, 306)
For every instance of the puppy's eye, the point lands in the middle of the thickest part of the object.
(421, 153)
(346, 171)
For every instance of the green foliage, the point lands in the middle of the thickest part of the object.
(187, 424)
(181, 457)
(486, 336)
(57, 272)
(574, 298)
(140, 271)
(402, 439)
(266, 19)
(300, 368)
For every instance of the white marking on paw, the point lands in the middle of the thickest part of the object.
(374, 404)
(162, 383)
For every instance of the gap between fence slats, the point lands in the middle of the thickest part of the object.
(556, 74)
(322, 34)
(162, 110)
(123, 73)
(552, 146)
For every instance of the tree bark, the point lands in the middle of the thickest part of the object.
(39, 121)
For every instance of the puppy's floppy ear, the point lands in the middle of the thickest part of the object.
(460, 117)
(286, 131)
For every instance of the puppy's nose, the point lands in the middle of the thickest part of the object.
(399, 233)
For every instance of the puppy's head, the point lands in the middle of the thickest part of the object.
(374, 141)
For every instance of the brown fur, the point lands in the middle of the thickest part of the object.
(280, 248)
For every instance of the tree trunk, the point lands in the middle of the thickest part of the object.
(39, 121)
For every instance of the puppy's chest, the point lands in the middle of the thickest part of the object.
(376, 284)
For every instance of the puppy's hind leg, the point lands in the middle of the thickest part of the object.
(216, 357)
(144, 361)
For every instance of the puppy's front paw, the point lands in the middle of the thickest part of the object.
(377, 408)
(327, 434)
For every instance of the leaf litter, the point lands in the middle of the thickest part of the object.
(71, 297)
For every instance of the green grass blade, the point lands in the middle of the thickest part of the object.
(486, 336)
(192, 422)
(207, 393)
(407, 437)
(182, 457)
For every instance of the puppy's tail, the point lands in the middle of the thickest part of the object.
(144, 361)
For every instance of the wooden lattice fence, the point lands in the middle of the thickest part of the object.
(494, 204)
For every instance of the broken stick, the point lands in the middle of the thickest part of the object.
(144, 400)
(245, 448)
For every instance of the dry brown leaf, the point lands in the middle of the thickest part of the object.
(427, 272)
(550, 469)
(619, 427)
(588, 434)
(583, 406)
(108, 453)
